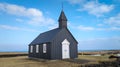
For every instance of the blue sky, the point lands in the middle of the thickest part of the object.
(94, 23)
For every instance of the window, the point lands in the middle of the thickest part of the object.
(44, 48)
(37, 48)
(31, 49)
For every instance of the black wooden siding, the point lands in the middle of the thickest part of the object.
(42, 55)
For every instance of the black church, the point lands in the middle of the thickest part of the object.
(58, 43)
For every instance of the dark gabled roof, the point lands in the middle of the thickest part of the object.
(45, 37)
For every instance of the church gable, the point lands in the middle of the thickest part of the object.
(64, 34)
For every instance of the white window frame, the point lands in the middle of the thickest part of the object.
(44, 48)
(31, 49)
(37, 48)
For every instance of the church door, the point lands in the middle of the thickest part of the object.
(65, 49)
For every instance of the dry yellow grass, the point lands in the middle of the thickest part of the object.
(24, 61)
(4, 53)
(95, 59)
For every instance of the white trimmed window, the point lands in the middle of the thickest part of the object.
(31, 49)
(44, 48)
(37, 48)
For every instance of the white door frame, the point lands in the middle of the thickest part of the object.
(65, 49)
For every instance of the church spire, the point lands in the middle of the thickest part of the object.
(62, 20)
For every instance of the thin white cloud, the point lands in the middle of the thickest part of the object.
(90, 28)
(53, 26)
(100, 25)
(35, 16)
(114, 21)
(114, 28)
(83, 28)
(20, 10)
(19, 20)
(96, 8)
(100, 43)
(8, 27)
(76, 1)
(42, 21)
(93, 7)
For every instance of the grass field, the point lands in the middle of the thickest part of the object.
(24, 61)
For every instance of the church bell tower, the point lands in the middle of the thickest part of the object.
(62, 20)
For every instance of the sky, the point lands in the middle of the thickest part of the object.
(94, 23)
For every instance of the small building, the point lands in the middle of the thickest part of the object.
(58, 43)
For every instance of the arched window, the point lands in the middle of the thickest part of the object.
(31, 49)
(44, 48)
(37, 48)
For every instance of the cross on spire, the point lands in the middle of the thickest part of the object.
(62, 5)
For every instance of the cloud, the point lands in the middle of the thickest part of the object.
(100, 25)
(53, 26)
(100, 43)
(20, 10)
(8, 27)
(76, 1)
(83, 28)
(9, 47)
(114, 29)
(114, 21)
(90, 28)
(92, 7)
(19, 20)
(34, 16)
(42, 21)
(96, 8)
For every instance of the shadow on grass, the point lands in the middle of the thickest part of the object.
(12, 55)
(78, 61)
(36, 59)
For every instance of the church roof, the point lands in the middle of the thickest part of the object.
(45, 37)
(62, 16)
